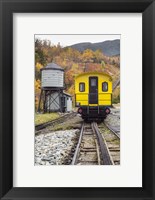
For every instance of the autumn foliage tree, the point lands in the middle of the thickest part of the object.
(37, 92)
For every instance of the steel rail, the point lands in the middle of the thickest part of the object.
(78, 147)
(118, 136)
(107, 160)
(52, 122)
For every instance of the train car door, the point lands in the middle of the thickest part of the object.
(93, 90)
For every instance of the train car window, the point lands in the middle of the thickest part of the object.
(104, 86)
(93, 82)
(82, 87)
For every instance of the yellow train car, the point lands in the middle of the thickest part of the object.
(93, 95)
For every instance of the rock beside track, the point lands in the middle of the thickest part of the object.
(55, 148)
(113, 119)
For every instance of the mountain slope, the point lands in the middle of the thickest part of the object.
(109, 47)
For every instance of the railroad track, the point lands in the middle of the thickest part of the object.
(56, 121)
(114, 129)
(112, 139)
(91, 148)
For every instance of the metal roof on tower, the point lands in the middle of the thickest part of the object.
(53, 66)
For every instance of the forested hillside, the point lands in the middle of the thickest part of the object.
(73, 62)
(108, 48)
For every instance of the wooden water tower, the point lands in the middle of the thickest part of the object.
(52, 85)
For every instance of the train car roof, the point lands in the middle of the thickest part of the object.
(92, 73)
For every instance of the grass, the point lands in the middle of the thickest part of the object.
(42, 118)
(63, 127)
(74, 123)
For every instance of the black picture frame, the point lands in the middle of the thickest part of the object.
(7, 8)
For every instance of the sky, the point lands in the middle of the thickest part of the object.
(67, 40)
